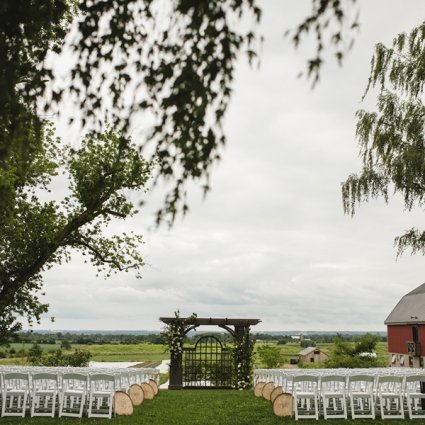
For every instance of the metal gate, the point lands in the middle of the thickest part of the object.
(207, 365)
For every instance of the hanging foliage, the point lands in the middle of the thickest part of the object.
(242, 355)
(392, 139)
(174, 333)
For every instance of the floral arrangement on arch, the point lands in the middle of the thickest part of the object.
(242, 356)
(175, 332)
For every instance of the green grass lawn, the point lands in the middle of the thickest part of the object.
(199, 407)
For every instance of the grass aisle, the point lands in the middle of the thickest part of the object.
(199, 407)
(208, 407)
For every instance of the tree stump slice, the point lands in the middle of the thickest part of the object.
(258, 389)
(147, 391)
(122, 404)
(275, 393)
(283, 405)
(267, 390)
(136, 394)
(154, 385)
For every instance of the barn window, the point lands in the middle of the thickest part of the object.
(410, 361)
(421, 362)
(393, 358)
(402, 360)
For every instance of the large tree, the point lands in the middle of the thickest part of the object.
(174, 60)
(39, 232)
(392, 138)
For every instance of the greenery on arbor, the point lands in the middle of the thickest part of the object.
(354, 355)
(38, 232)
(243, 360)
(174, 334)
(392, 139)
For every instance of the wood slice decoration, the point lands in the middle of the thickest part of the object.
(154, 385)
(147, 391)
(267, 390)
(258, 389)
(136, 394)
(283, 405)
(275, 393)
(122, 404)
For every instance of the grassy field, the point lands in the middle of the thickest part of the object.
(158, 352)
(198, 407)
(102, 353)
(127, 353)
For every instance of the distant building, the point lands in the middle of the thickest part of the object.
(312, 355)
(406, 330)
(300, 337)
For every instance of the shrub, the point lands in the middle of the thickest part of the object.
(65, 345)
(34, 354)
(79, 358)
(269, 355)
(350, 355)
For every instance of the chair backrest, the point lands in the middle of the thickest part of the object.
(102, 382)
(305, 383)
(305, 378)
(125, 379)
(74, 381)
(413, 383)
(361, 383)
(390, 384)
(16, 380)
(45, 381)
(333, 383)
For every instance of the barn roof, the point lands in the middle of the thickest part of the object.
(410, 309)
(306, 351)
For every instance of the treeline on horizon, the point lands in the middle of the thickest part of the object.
(91, 338)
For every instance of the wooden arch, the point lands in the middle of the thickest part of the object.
(236, 327)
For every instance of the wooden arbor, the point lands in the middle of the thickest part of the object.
(238, 328)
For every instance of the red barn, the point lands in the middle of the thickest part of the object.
(406, 330)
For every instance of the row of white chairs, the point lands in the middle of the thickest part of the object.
(333, 394)
(280, 375)
(67, 391)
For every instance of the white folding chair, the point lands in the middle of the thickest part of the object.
(333, 396)
(360, 392)
(124, 381)
(73, 395)
(102, 389)
(390, 396)
(44, 394)
(305, 392)
(414, 396)
(15, 394)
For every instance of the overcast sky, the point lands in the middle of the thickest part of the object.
(270, 241)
